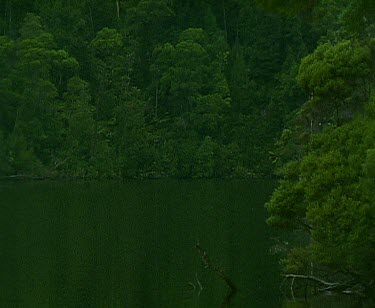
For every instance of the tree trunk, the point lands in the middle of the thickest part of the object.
(156, 102)
(225, 20)
(118, 9)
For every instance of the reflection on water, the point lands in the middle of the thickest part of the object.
(132, 244)
(331, 301)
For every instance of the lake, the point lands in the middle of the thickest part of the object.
(133, 244)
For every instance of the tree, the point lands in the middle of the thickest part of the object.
(78, 116)
(190, 98)
(109, 72)
(131, 137)
(147, 24)
(337, 77)
(32, 82)
(186, 72)
(322, 194)
(290, 6)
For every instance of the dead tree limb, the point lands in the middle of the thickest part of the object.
(208, 264)
(291, 288)
(313, 278)
(346, 287)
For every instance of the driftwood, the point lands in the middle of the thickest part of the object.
(343, 287)
(313, 278)
(193, 287)
(208, 264)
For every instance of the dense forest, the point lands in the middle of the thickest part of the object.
(157, 88)
(204, 89)
(325, 157)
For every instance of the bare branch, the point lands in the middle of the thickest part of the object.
(208, 264)
(313, 278)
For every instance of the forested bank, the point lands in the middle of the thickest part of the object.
(187, 89)
(326, 157)
(204, 89)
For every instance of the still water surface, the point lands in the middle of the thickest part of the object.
(132, 244)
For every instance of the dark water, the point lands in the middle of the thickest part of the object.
(132, 244)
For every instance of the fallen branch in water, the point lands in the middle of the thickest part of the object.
(313, 278)
(208, 264)
(343, 287)
(199, 284)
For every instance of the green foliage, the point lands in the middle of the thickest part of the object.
(205, 159)
(288, 6)
(286, 207)
(370, 164)
(337, 78)
(202, 89)
(298, 261)
(324, 192)
(4, 163)
(109, 69)
(360, 15)
(78, 115)
(32, 27)
(148, 88)
(327, 185)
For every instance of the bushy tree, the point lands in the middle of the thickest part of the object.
(337, 77)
